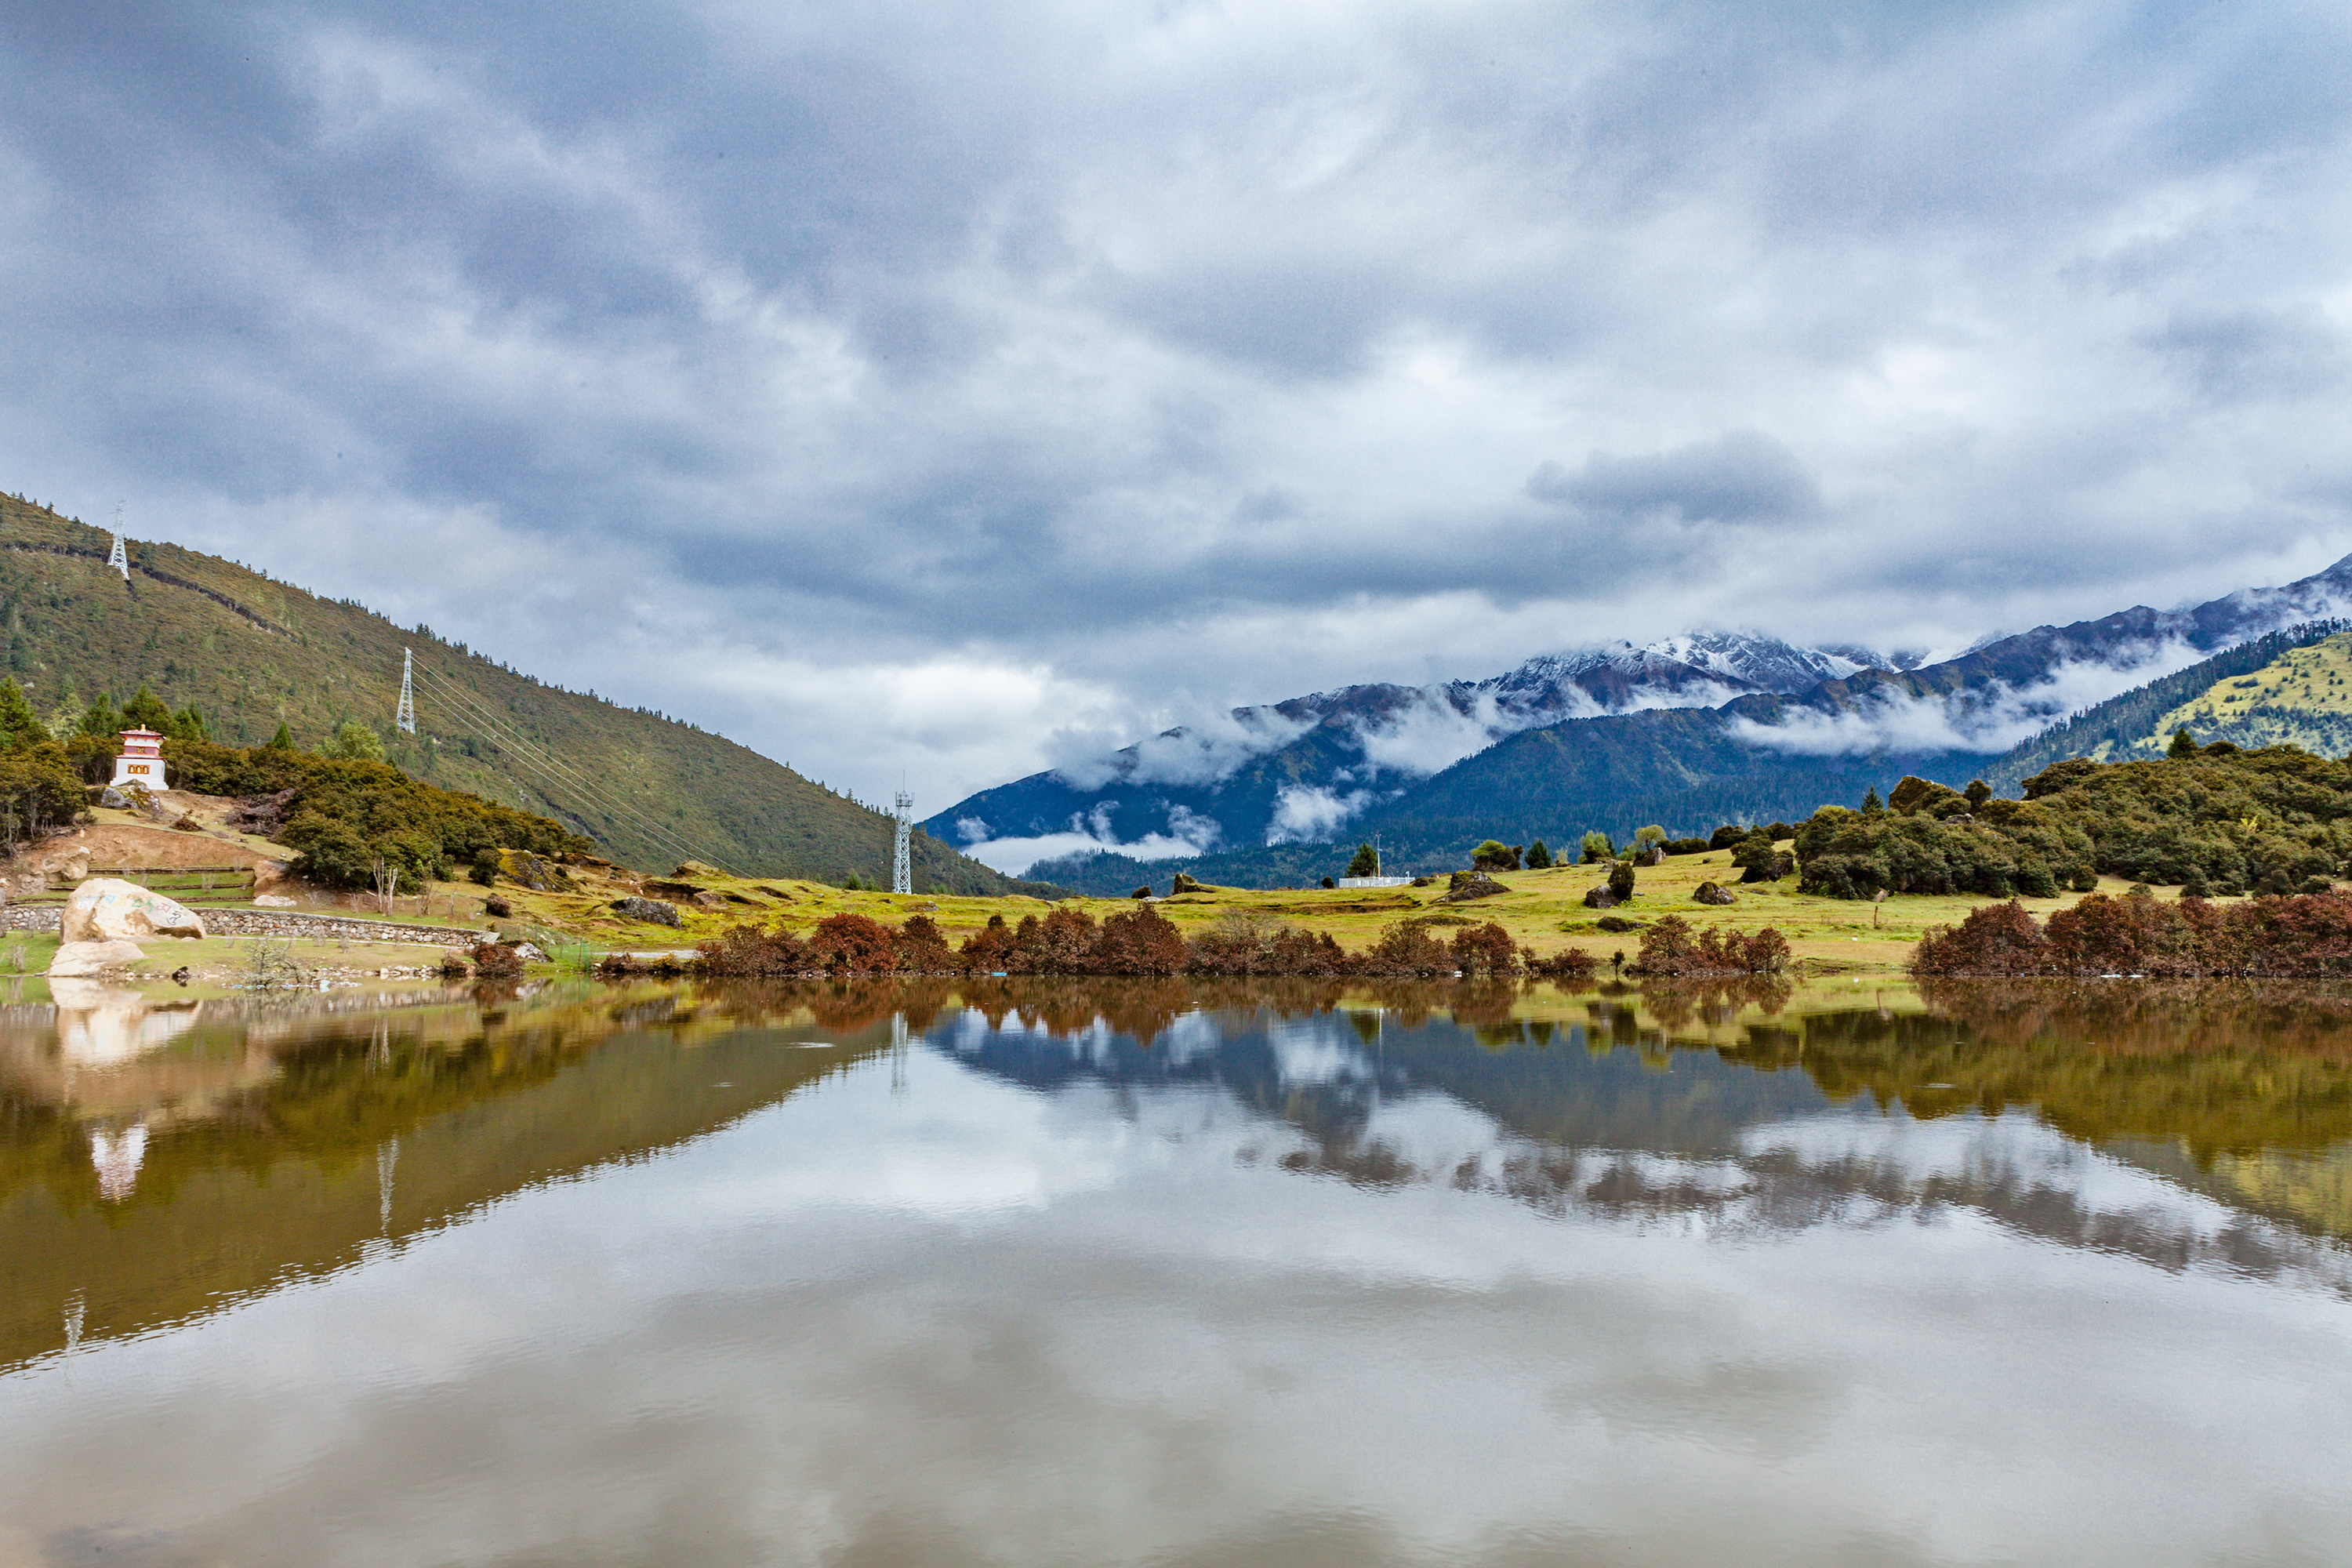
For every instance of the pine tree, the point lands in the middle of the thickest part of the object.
(281, 741)
(19, 725)
(2184, 745)
(1366, 862)
(100, 720)
(1871, 804)
(1538, 855)
(147, 712)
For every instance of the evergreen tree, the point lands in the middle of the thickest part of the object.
(1979, 792)
(188, 725)
(355, 741)
(19, 726)
(281, 741)
(100, 720)
(1621, 880)
(1871, 804)
(147, 712)
(1366, 862)
(1538, 855)
(2184, 745)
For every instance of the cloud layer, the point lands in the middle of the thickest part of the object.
(895, 389)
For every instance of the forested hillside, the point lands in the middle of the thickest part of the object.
(250, 653)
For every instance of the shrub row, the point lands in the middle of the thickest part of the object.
(1069, 942)
(2290, 936)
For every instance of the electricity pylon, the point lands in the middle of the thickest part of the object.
(902, 879)
(406, 720)
(118, 559)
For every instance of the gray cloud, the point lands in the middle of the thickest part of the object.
(2236, 356)
(1740, 477)
(1002, 374)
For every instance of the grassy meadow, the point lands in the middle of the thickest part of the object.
(1542, 909)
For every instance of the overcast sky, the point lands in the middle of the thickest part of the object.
(917, 388)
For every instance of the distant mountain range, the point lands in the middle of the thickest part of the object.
(1687, 732)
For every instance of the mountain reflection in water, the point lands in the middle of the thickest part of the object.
(951, 1226)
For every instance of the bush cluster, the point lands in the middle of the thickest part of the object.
(1069, 942)
(343, 816)
(1855, 855)
(2291, 936)
(1672, 947)
(2209, 820)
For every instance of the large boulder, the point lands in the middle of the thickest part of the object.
(1710, 893)
(540, 876)
(651, 910)
(108, 908)
(1599, 898)
(80, 960)
(1468, 885)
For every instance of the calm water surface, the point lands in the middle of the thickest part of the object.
(1148, 1274)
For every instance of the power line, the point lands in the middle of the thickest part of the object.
(553, 782)
(565, 776)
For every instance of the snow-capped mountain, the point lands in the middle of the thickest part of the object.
(1759, 709)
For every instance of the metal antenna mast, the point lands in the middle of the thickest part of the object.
(406, 720)
(902, 880)
(116, 558)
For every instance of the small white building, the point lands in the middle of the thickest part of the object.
(142, 762)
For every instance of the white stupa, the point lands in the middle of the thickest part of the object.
(142, 762)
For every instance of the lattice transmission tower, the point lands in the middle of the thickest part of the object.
(118, 559)
(902, 870)
(406, 720)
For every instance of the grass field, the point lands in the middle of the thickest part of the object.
(1542, 909)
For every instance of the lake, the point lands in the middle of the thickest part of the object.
(1059, 1273)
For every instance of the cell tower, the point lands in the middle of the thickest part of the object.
(406, 718)
(902, 879)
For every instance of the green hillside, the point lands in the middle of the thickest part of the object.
(250, 653)
(2303, 698)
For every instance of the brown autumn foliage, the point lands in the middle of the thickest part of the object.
(2282, 936)
(1141, 942)
(1485, 949)
(1670, 947)
(852, 944)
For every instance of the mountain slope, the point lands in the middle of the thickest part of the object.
(250, 652)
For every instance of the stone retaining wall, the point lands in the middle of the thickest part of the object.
(273, 923)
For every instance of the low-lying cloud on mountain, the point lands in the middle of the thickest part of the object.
(1377, 738)
(1419, 758)
(1982, 720)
